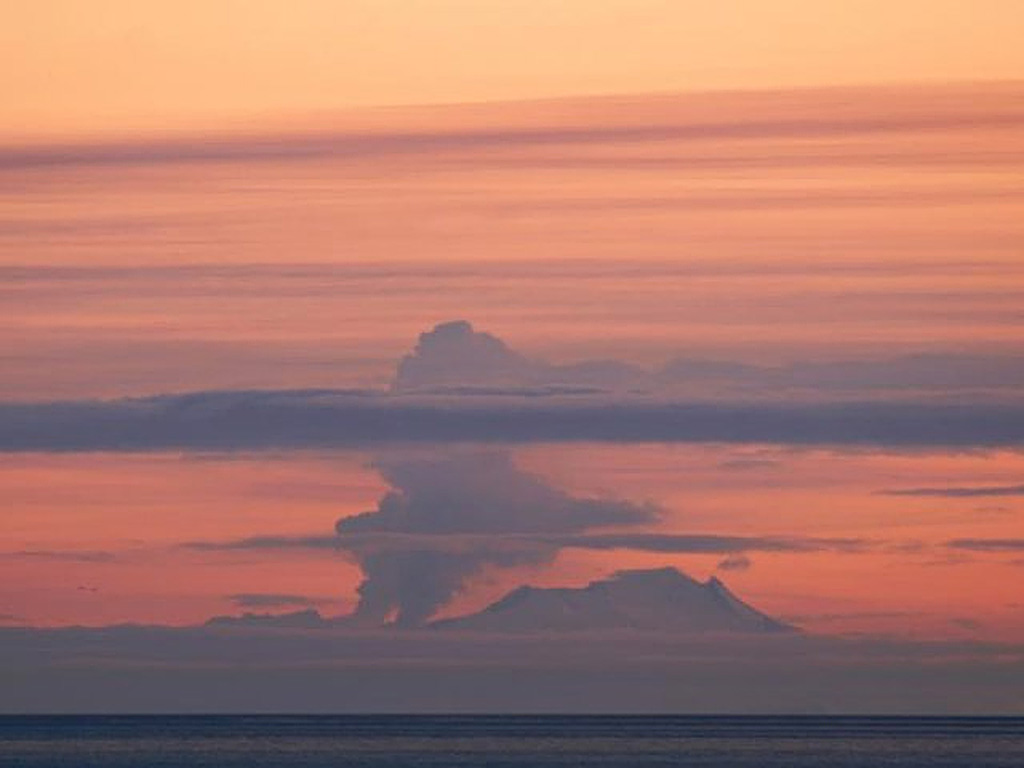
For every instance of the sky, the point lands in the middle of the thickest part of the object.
(116, 66)
(385, 309)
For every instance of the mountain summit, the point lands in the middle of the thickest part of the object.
(662, 599)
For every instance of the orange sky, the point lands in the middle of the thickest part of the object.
(761, 226)
(790, 219)
(69, 68)
(141, 508)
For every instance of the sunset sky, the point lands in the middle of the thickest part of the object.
(773, 253)
(69, 68)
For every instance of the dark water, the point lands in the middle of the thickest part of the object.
(510, 740)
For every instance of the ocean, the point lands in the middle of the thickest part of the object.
(509, 740)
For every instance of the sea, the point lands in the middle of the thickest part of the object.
(509, 740)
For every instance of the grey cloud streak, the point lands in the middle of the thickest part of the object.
(958, 492)
(987, 545)
(270, 600)
(665, 543)
(363, 144)
(735, 562)
(70, 555)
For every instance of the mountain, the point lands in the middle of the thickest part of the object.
(663, 599)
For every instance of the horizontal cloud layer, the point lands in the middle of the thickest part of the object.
(238, 420)
(232, 669)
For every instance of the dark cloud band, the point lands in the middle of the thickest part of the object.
(247, 420)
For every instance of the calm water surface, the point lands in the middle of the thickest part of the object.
(509, 740)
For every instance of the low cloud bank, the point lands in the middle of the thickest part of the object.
(291, 669)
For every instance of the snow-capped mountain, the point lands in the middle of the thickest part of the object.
(663, 599)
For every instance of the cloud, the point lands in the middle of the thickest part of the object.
(987, 545)
(570, 123)
(307, 618)
(262, 420)
(822, 618)
(925, 373)
(666, 543)
(449, 519)
(482, 492)
(453, 354)
(456, 357)
(74, 556)
(735, 562)
(958, 492)
(462, 385)
(344, 669)
(972, 625)
(270, 600)
(494, 514)
(407, 587)
(266, 543)
(744, 465)
(711, 543)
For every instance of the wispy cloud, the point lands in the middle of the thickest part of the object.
(271, 600)
(313, 542)
(958, 492)
(987, 545)
(70, 555)
(665, 543)
(735, 562)
(362, 144)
